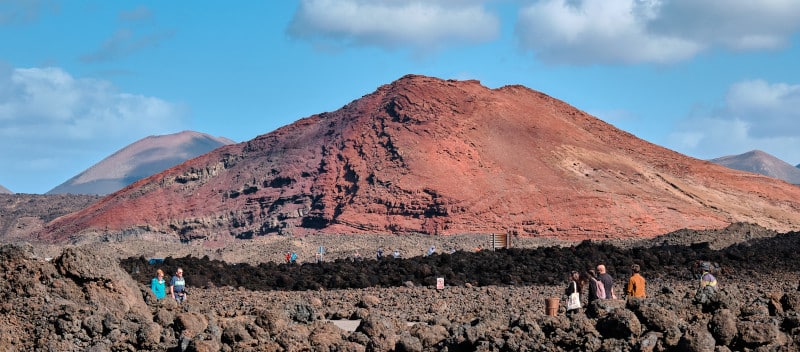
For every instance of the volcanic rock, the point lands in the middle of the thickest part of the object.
(432, 156)
(87, 300)
(73, 302)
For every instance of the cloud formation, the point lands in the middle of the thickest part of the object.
(124, 42)
(137, 35)
(651, 31)
(24, 11)
(733, 24)
(392, 24)
(578, 32)
(48, 117)
(756, 114)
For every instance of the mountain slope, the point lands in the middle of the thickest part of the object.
(762, 163)
(24, 214)
(4, 190)
(138, 160)
(440, 157)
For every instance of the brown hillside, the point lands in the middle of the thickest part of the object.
(145, 157)
(441, 157)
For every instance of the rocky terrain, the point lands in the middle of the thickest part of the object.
(22, 215)
(96, 298)
(438, 157)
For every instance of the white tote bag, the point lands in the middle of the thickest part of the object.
(574, 299)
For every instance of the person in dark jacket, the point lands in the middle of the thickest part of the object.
(177, 286)
(593, 282)
(607, 280)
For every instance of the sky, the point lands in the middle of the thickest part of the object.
(81, 79)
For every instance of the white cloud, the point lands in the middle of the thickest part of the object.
(651, 31)
(755, 115)
(420, 25)
(557, 31)
(48, 119)
(770, 109)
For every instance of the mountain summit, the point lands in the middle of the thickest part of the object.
(426, 155)
(138, 160)
(761, 163)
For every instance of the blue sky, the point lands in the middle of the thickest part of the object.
(80, 80)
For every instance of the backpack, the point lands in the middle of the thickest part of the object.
(600, 290)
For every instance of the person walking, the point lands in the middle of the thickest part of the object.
(596, 288)
(177, 286)
(708, 285)
(636, 284)
(607, 280)
(572, 291)
(158, 285)
(706, 278)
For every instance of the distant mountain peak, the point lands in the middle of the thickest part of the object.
(145, 157)
(763, 163)
(4, 190)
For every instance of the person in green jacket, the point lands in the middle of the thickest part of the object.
(158, 284)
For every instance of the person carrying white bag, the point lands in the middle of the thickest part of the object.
(573, 292)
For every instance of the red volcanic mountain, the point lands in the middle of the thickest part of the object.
(441, 157)
(145, 157)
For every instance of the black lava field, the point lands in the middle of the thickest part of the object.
(504, 267)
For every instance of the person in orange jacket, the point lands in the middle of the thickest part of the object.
(636, 284)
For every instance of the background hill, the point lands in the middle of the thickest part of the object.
(23, 214)
(4, 190)
(425, 155)
(761, 163)
(143, 158)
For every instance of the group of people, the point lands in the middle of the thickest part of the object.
(600, 284)
(290, 257)
(177, 286)
(379, 253)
